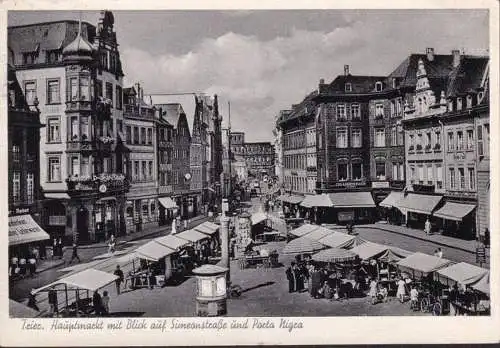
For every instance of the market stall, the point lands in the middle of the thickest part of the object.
(319, 233)
(87, 281)
(341, 240)
(302, 245)
(420, 265)
(302, 230)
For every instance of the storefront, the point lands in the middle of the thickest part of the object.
(353, 207)
(388, 210)
(167, 210)
(458, 219)
(24, 235)
(418, 207)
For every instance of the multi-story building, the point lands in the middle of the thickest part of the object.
(73, 72)
(238, 160)
(299, 146)
(140, 139)
(25, 196)
(198, 156)
(259, 158)
(278, 146)
(164, 134)
(174, 114)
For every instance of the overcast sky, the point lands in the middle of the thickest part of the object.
(264, 61)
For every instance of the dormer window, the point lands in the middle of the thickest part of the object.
(29, 58)
(459, 103)
(450, 105)
(394, 83)
(469, 101)
(348, 87)
(480, 96)
(378, 86)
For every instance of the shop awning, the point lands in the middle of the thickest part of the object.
(23, 229)
(191, 235)
(319, 233)
(483, 284)
(303, 230)
(257, 218)
(171, 241)
(56, 195)
(369, 250)
(418, 203)
(204, 229)
(454, 211)
(322, 200)
(211, 225)
(340, 240)
(89, 279)
(334, 255)
(19, 310)
(302, 245)
(422, 264)
(293, 199)
(167, 203)
(462, 273)
(393, 255)
(153, 251)
(352, 200)
(391, 200)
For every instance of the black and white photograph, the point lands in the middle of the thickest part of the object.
(248, 169)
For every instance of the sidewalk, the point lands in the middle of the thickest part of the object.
(438, 239)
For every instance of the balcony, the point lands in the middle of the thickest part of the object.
(78, 105)
(80, 146)
(105, 144)
(130, 110)
(103, 108)
(103, 183)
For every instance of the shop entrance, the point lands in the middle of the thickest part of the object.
(82, 225)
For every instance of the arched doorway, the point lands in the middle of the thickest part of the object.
(82, 224)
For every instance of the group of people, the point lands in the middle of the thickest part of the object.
(101, 303)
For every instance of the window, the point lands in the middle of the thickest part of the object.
(53, 130)
(356, 137)
(75, 166)
(401, 172)
(451, 141)
(412, 174)
(379, 137)
(469, 101)
(53, 95)
(459, 103)
(398, 107)
(461, 174)
(439, 177)
(150, 136)
(74, 128)
(341, 137)
(428, 139)
(136, 135)
(29, 57)
(379, 110)
(378, 86)
(472, 179)
(98, 88)
(54, 169)
(393, 108)
(437, 146)
(342, 171)
(109, 91)
(460, 140)
(84, 88)
(421, 174)
(85, 129)
(355, 112)
(143, 135)
(30, 92)
(395, 169)
(429, 175)
(52, 56)
(150, 169)
(145, 211)
(128, 134)
(487, 137)
(84, 166)
(144, 170)
(136, 173)
(380, 170)
(30, 187)
(470, 139)
(348, 87)
(16, 186)
(394, 136)
(341, 115)
(16, 153)
(119, 97)
(480, 96)
(450, 105)
(452, 178)
(411, 141)
(73, 89)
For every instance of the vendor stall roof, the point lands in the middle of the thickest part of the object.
(172, 241)
(153, 251)
(418, 203)
(303, 230)
(338, 240)
(334, 255)
(369, 250)
(423, 263)
(352, 200)
(211, 225)
(454, 211)
(204, 229)
(258, 217)
(191, 235)
(293, 199)
(483, 284)
(89, 279)
(302, 245)
(391, 200)
(167, 203)
(23, 229)
(319, 233)
(322, 200)
(462, 273)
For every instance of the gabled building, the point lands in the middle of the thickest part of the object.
(72, 72)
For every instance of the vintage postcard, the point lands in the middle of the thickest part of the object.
(231, 173)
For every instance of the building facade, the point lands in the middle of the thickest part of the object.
(140, 139)
(75, 76)
(259, 159)
(238, 160)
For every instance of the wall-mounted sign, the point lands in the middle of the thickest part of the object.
(380, 184)
(345, 216)
(187, 176)
(103, 188)
(19, 211)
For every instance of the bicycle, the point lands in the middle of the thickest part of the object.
(431, 304)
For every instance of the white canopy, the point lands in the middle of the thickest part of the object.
(258, 217)
(422, 264)
(483, 284)
(89, 279)
(153, 251)
(191, 235)
(23, 229)
(462, 273)
(172, 242)
(167, 203)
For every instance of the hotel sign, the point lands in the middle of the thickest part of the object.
(350, 184)
(19, 211)
(380, 184)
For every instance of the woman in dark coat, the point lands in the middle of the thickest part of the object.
(290, 276)
(299, 279)
(315, 282)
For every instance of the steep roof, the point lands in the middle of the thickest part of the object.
(171, 113)
(468, 76)
(359, 84)
(13, 85)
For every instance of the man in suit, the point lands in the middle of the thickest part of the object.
(291, 277)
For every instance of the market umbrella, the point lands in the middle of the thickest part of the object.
(334, 255)
(302, 245)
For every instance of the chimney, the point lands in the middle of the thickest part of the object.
(321, 81)
(430, 54)
(456, 57)
(346, 70)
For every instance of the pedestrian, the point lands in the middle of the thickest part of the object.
(54, 248)
(373, 290)
(453, 299)
(401, 293)
(427, 227)
(440, 253)
(232, 248)
(53, 310)
(97, 303)
(32, 266)
(105, 302)
(60, 248)
(486, 238)
(118, 282)
(299, 278)
(414, 298)
(74, 255)
(32, 301)
(111, 244)
(315, 282)
(290, 276)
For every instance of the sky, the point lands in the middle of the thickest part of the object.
(265, 61)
